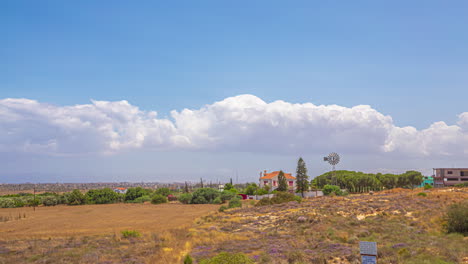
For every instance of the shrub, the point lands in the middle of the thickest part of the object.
(297, 198)
(222, 208)
(427, 186)
(158, 199)
(204, 195)
(134, 193)
(465, 184)
(227, 195)
(422, 194)
(188, 259)
(283, 197)
(7, 203)
(33, 201)
(457, 218)
(18, 202)
(217, 200)
(235, 202)
(142, 199)
(185, 198)
(49, 201)
(329, 189)
(228, 258)
(101, 196)
(264, 201)
(261, 191)
(163, 191)
(130, 233)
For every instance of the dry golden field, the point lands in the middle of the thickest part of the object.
(92, 233)
(408, 228)
(86, 220)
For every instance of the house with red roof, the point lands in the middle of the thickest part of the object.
(271, 179)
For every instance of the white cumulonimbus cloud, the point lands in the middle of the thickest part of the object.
(240, 123)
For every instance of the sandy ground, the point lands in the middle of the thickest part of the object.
(66, 221)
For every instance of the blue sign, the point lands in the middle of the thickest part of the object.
(368, 259)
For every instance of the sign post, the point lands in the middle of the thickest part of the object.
(368, 252)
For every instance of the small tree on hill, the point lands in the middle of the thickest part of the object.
(282, 184)
(186, 189)
(302, 182)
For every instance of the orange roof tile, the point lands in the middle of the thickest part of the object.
(120, 188)
(271, 175)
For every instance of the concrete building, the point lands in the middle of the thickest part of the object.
(450, 176)
(271, 179)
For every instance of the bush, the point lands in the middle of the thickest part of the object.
(158, 199)
(422, 194)
(101, 196)
(163, 191)
(188, 259)
(465, 184)
(7, 203)
(135, 193)
(427, 186)
(227, 195)
(264, 201)
(142, 199)
(297, 198)
(49, 201)
(329, 189)
(217, 200)
(283, 197)
(18, 202)
(33, 201)
(204, 195)
(222, 208)
(74, 198)
(130, 233)
(235, 202)
(457, 218)
(228, 258)
(261, 191)
(185, 198)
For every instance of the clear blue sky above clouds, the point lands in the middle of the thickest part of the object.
(406, 59)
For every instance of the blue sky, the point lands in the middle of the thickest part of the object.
(406, 59)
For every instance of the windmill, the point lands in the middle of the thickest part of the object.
(332, 158)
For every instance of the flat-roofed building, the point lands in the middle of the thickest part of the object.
(450, 176)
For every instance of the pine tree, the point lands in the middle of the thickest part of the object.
(282, 184)
(201, 182)
(302, 183)
(186, 189)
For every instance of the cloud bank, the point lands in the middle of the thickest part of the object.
(240, 123)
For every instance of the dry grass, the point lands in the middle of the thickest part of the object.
(92, 233)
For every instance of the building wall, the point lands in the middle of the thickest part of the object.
(451, 176)
(273, 182)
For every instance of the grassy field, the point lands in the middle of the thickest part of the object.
(407, 227)
(92, 233)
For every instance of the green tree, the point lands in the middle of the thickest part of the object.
(163, 191)
(282, 184)
(101, 196)
(204, 195)
(186, 188)
(134, 193)
(251, 189)
(414, 178)
(228, 186)
(158, 199)
(302, 182)
(75, 198)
